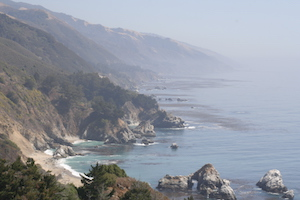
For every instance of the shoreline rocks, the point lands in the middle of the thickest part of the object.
(175, 183)
(145, 128)
(272, 182)
(288, 195)
(210, 184)
(64, 152)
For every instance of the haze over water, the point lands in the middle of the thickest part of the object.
(245, 123)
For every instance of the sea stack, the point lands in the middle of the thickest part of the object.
(211, 185)
(272, 182)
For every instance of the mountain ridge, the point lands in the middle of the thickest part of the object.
(157, 53)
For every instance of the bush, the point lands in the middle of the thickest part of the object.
(139, 191)
(13, 97)
(29, 83)
(25, 181)
(98, 179)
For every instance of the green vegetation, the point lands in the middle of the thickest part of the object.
(25, 181)
(100, 177)
(42, 45)
(20, 180)
(139, 191)
(105, 98)
(8, 150)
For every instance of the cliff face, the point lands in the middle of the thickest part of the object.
(96, 128)
(157, 117)
(31, 114)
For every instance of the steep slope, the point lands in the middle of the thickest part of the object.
(42, 45)
(65, 34)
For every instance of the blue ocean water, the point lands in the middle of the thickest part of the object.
(245, 123)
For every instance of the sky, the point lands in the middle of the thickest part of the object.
(238, 29)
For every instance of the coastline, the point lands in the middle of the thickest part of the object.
(48, 163)
(45, 160)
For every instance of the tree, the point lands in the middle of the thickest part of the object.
(100, 177)
(139, 191)
(49, 83)
(105, 109)
(29, 83)
(25, 181)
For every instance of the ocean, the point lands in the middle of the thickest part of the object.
(245, 123)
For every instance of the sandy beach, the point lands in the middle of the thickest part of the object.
(46, 161)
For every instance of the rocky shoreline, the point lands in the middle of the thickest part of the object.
(210, 184)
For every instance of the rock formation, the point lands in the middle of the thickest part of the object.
(288, 195)
(272, 182)
(63, 152)
(144, 129)
(167, 120)
(175, 183)
(108, 132)
(211, 185)
(147, 141)
(156, 117)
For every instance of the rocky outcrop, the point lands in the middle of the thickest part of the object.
(64, 152)
(288, 195)
(131, 113)
(147, 141)
(175, 183)
(156, 117)
(272, 182)
(167, 120)
(211, 185)
(123, 136)
(144, 129)
(93, 128)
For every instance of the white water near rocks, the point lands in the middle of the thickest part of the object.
(244, 123)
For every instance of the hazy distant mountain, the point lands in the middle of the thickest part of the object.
(101, 59)
(43, 19)
(149, 50)
(40, 44)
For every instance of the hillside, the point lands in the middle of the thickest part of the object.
(95, 54)
(43, 45)
(149, 51)
(63, 33)
(43, 101)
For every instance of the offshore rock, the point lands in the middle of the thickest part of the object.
(144, 129)
(288, 195)
(175, 183)
(211, 185)
(166, 120)
(272, 182)
(63, 152)
(147, 141)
